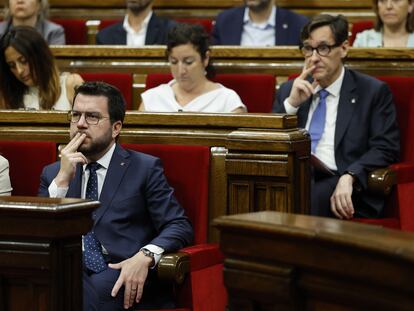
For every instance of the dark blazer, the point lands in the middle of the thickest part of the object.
(157, 32)
(229, 27)
(366, 133)
(137, 205)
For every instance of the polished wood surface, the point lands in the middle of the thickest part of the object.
(279, 261)
(258, 161)
(41, 253)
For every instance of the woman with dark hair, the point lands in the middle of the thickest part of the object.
(394, 26)
(29, 78)
(188, 53)
(32, 13)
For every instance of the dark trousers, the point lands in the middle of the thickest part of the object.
(97, 289)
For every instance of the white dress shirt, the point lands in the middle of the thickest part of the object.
(259, 34)
(325, 150)
(56, 192)
(136, 38)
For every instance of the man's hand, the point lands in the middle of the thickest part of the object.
(341, 202)
(69, 158)
(302, 89)
(134, 272)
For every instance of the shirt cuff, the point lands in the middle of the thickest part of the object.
(158, 251)
(289, 108)
(56, 192)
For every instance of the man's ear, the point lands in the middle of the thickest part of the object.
(116, 128)
(344, 48)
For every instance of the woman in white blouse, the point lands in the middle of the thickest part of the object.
(5, 186)
(394, 26)
(188, 53)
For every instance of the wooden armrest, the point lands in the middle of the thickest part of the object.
(174, 267)
(381, 181)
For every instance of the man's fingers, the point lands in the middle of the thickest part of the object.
(74, 144)
(140, 290)
(127, 295)
(334, 208)
(117, 286)
(306, 72)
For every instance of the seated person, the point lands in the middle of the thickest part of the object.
(139, 217)
(5, 186)
(351, 119)
(188, 53)
(32, 13)
(394, 26)
(29, 77)
(258, 23)
(140, 27)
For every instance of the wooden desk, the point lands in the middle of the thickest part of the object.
(41, 253)
(279, 261)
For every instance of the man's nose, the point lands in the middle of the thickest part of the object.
(82, 121)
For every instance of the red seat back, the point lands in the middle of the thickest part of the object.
(359, 27)
(75, 30)
(257, 91)
(26, 160)
(123, 81)
(187, 171)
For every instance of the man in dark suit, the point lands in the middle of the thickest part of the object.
(140, 27)
(258, 23)
(139, 218)
(351, 119)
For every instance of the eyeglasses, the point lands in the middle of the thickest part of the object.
(393, 2)
(92, 118)
(322, 50)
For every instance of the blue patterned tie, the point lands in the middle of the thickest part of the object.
(317, 124)
(92, 254)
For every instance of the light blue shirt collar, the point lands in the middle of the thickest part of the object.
(271, 21)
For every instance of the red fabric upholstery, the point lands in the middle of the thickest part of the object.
(359, 27)
(26, 160)
(257, 91)
(75, 30)
(205, 22)
(123, 81)
(187, 170)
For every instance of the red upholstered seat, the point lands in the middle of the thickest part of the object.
(75, 30)
(257, 91)
(108, 22)
(123, 81)
(359, 27)
(187, 170)
(26, 160)
(400, 205)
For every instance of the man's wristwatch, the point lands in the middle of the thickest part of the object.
(148, 253)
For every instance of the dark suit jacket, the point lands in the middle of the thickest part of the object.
(229, 27)
(137, 205)
(366, 133)
(157, 32)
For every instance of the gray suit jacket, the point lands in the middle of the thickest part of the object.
(51, 32)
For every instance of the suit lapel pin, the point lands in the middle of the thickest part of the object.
(285, 26)
(122, 163)
(353, 100)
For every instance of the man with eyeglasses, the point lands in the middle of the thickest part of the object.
(351, 119)
(139, 218)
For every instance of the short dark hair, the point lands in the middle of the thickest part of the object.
(409, 23)
(195, 34)
(116, 101)
(338, 25)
